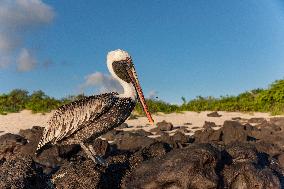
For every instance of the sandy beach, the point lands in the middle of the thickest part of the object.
(13, 122)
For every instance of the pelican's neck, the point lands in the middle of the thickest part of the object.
(128, 88)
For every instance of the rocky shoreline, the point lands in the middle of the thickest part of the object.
(238, 155)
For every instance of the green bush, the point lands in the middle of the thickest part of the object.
(13, 101)
(156, 106)
(39, 102)
(18, 100)
(262, 100)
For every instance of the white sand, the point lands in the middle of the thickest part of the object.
(13, 122)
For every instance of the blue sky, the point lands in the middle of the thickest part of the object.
(180, 48)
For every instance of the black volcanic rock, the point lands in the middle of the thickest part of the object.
(157, 149)
(67, 151)
(192, 167)
(33, 137)
(257, 120)
(51, 157)
(180, 137)
(208, 135)
(208, 125)
(33, 134)
(235, 131)
(155, 130)
(183, 130)
(142, 132)
(187, 123)
(21, 173)
(214, 114)
(9, 144)
(280, 159)
(236, 118)
(165, 126)
(248, 176)
(238, 165)
(242, 152)
(132, 141)
(235, 156)
(76, 175)
(278, 121)
(111, 135)
(122, 126)
(270, 126)
(178, 140)
(270, 132)
(118, 165)
(248, 168)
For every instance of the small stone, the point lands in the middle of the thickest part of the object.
(187, 123)
(214, 114)
(165, 126)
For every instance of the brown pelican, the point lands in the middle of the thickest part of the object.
(93, 116)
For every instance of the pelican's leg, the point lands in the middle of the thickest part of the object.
(98, 158)
(89, 153)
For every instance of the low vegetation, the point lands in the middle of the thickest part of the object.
(261, 100)
(37, 102)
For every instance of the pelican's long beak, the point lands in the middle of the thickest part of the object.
(134, 78)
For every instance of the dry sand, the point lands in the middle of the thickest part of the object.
(13, 122)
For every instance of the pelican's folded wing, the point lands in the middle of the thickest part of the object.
(72, 117)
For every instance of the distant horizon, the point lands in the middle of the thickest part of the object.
(179, 48)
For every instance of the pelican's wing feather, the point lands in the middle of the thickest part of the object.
(72, 117)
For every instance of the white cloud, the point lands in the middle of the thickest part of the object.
(22, 14)
(17, 18)
(26, 61)
(105, 83)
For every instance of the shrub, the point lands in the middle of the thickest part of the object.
(39, 102)
(263, 100)
(13, 101)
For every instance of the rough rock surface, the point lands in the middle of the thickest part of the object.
(163, 126)
(208, 135)
(178, 140)
(79, 174)
(214, 114)
(192, 167)
(10, 143)
(132, 141)
(238, 165)
(257, 120)
(234, 131)
(209, 125)
(238, 155)
(21, 172)
(248, 169)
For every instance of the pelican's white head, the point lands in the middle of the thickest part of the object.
(117, 55)
(121, 67)
(117, 60)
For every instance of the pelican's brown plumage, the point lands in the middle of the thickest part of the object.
(93, 116)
